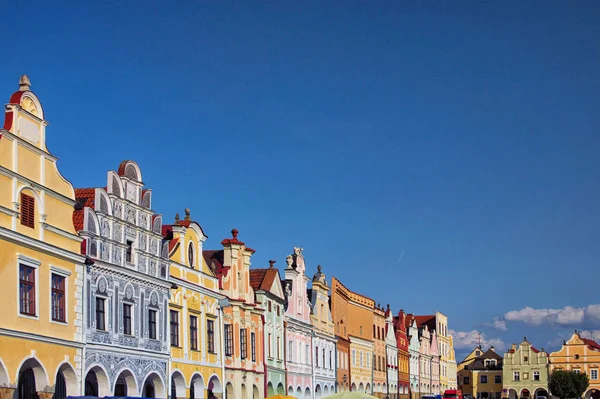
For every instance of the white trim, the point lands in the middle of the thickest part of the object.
(9, 173)
(61, 271)
(25, 143)
(8, 211)
(29, 261)
(61, 232)
(33, 243)
(41, 338)
(33, 263)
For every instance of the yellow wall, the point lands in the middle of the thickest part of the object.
(576, 354)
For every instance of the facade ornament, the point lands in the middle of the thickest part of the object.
(187, 214)
(298, 251)
(272, 263)
(177, 218)
(24, 83)
(289, 260)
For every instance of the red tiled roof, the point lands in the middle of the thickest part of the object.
(534, 350)
(408, 321)
(216, 257)
(256, 278)
(121, 170)
(89, 195)
(591, 343)
(424, 319)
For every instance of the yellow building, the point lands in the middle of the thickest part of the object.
(196, 351)
(41, 337)
(583, 356)
(480, 374)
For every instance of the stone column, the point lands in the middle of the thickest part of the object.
(6, 392)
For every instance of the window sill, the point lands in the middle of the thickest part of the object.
(195, 350)
(29, 316)
(212, 352)
(59, 322)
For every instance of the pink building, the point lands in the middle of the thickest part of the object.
(298, 328)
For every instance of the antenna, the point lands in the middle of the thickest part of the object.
(479, 338)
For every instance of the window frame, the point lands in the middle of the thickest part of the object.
(228, 333)
(243, 344)
(29, 219)
(152, 324)
(253, 346)
(536, 375)
(65, 274)
(104, 313)
(61, 292)
(129, 251)
(496, 378)
(210, 336)
(35, 276)
(592, 371)
(482, 377)
(127, 318)
(171, 326)
(516, 376)
(193, 332)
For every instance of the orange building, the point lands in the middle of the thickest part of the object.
(356, 325)
(379, 387)
(243, 320)
(581, 355)
(339, 312)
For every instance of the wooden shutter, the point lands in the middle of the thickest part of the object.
(27, 210)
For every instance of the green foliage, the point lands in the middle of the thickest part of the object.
(568, 384)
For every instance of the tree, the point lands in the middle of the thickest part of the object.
(568, 384)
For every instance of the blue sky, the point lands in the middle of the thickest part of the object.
(432, 155)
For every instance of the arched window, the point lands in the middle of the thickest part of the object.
(27, 210)
(191, 255)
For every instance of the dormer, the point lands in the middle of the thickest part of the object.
(235, 274)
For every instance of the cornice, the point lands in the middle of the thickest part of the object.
(9, 173)
(42, 338)
(33, 243)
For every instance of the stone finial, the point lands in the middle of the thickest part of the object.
(289, 260)
(319, 268)
(388, 306)
(187, 213)
(177, 218)
(234, 233)
(271, 263)
(379, 306)
(24, 83)
(524, 338)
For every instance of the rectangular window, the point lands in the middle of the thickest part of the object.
(277, 309)
(316, 357)
(516, 376)
(525, 358)
(466, 381)
(269, 345)
(129, 251)
(210, 332)
(253, 345)
(27, 210)
(174, 322)
(278, 350)
(536, 375)
(243, 344)
(269, 305)
(483, 379)
(100, 318)
(290, 351)
(593, 374)
(152, 324)
(498, 379)
(27, 290)
(126, 319)
(330, 360)
(58, 298)
(228, 340)
(307, 355)
(193, 333)
(577, 371)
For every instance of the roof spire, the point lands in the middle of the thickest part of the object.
(187, 214)
(177, 218)
(24, 83)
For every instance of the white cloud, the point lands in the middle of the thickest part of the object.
(471, 339)
(498, 324)
(567, 316)
(557, 342)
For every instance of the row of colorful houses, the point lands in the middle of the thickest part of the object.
(523, 371)
(105, 298)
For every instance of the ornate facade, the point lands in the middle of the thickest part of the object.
(269, 294)
(451, 364)
(195, 315)
(435, 364)
(379, 387)
(404, 359)
(525, 371)
(244, 375)
(41, 327)
(126, 289)
(414, 347)
(339, 312)
(424, 360)
(324, 341)
(391, 350)
(298, 328)
(583, 355)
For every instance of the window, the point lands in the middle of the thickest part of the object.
(576, 356)
(129, 251)
(361, 333)
(100, 317)
(477, 353)
(516, 376)
(374, 331)
(277, 309)
(27, 290)
(270, 353)
(253, 345)
(228, 340)
(290, 351)
(498, 395)
(126, 319)
(525, 358)
(316, 357)
(58, 298)
(498, 379)
(243, 344)
(577, 371)
(191, 255)
(193, 333)
(323, 362)
(466, 381)
(536, 375)
(483, 379)
(278, 346)
(593, 374)
(307, 355)
(152, 324)
(210, 332)
(174, 327)
(269, 305)
(330, 360)
(27, 210)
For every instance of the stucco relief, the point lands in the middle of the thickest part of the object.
(113, 364)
